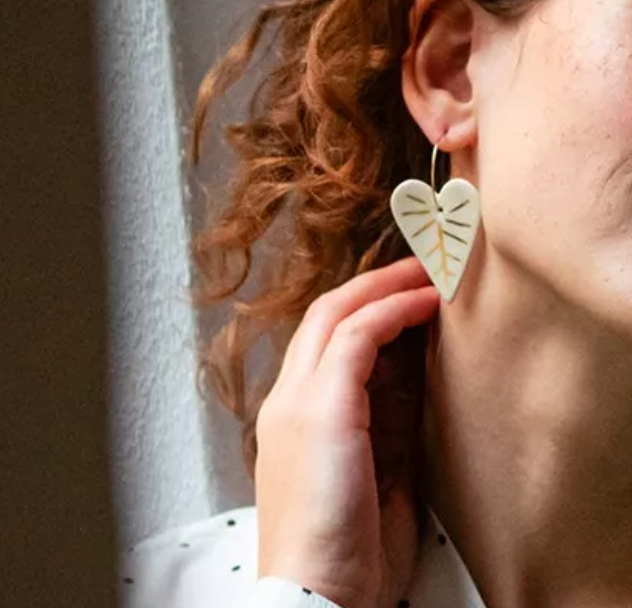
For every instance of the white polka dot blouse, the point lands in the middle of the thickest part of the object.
(213, 564)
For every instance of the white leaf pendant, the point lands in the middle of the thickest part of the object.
(441, 240)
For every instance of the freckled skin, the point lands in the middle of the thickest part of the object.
(527, 416)
(554, 102)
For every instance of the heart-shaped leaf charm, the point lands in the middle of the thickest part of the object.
(441, 233)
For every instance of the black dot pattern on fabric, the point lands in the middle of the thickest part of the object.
(231, 522)
(235, 568)
(307, 591)
(128, 581)
(403, 604)
(442, 539)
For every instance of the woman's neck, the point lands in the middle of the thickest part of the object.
(529, 436)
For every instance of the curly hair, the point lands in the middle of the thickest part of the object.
(327, 138)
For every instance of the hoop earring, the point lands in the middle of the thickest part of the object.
(440, 228)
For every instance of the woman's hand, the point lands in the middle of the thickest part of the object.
(320, 523)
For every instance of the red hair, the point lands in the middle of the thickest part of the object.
(327, 139)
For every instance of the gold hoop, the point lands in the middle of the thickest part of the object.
(433, 176)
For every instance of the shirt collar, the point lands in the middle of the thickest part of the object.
(442, 579)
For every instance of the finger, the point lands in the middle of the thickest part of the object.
(311, 338)
(351, 353)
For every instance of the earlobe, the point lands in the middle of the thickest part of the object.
(435, 82)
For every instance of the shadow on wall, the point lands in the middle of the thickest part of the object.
(57, 531)
(202, 33)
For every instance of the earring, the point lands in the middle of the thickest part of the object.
(439, 228)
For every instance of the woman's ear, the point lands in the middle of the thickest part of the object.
(435, 81)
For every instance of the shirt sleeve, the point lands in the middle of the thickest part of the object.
(272, 592)
(208, 564)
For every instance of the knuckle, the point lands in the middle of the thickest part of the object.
(320, 306)
(278, 412)
(267, 421)
(349, 330)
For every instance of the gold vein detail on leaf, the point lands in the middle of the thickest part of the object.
(442, 233)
